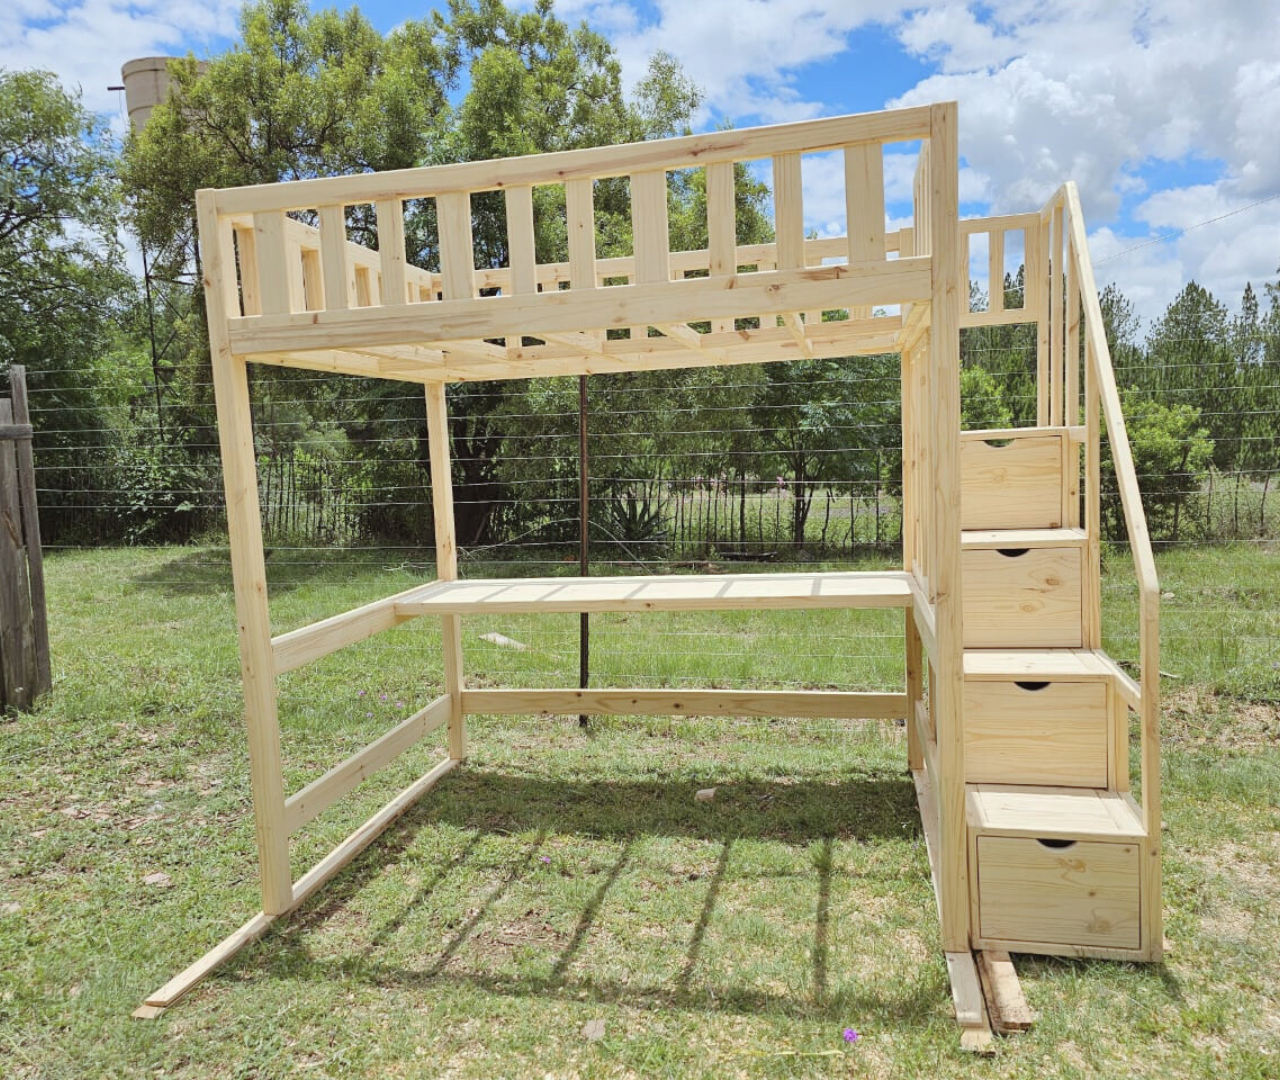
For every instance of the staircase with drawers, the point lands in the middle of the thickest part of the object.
(1057, 849)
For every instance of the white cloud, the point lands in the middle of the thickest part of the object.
(746, 54)
(86, 42)
(1105, 91)
(1102, 92)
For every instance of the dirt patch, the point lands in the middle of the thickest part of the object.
(1195, 717)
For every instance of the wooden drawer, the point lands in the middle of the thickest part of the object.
(1015, 484)
(1071, 893)
(1022, 598)
(1051, 733)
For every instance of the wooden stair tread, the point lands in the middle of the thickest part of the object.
(1004, 664)
(1053, 813)
(1003, 434)
(977, 539)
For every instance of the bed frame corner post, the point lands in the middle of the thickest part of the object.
(248, 564)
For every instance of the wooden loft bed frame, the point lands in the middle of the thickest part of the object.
(281, 291)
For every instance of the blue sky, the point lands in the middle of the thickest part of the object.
(1163, 111)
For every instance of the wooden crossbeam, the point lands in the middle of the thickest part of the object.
(795, 327)
(690, 338)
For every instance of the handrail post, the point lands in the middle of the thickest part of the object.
(944, 441)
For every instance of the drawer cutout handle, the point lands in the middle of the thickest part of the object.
(1013, 553)
(999, 444)
(1032, 686)
(1056, 845)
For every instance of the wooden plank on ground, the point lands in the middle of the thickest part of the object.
(971, 1009)
(307, 885)
(1006, 1005)
(185, 980)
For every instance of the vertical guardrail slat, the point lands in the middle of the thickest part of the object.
(273, 264)
(333, 258)
(722, 229)
(457, 253)
(391, 253)
(520, 239)
(995, 270)
(650, 227)
(788, 210)
(247, 254)
(864, 201)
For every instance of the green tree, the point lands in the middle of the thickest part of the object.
(307, 93)
(1188, 362)
(1171, 453)
(830, 421)
(66, 299)
(982, 403)
(1007, 356)
(301, 94)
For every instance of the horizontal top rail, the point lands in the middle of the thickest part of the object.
(690, 151)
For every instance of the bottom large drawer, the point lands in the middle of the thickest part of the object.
(1058, 892)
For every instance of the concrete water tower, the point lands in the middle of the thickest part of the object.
(146, 85)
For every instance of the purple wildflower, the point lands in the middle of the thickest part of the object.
(850, 1036)
(382, 697)
(360, 693)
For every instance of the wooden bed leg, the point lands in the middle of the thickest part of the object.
(446, 561)
(971, 1009)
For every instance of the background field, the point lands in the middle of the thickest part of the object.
(566, 875)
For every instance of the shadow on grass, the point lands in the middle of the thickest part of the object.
(858, 807)
(482, 803)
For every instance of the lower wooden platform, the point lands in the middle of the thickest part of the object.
(666, 592)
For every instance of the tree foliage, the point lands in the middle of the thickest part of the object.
(68, 305)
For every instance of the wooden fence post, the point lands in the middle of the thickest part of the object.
(24, 629)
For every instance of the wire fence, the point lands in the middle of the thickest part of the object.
(679, 470)
(773, 466)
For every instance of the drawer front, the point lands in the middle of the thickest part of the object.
(1050, 733)
(1084, 894)
(1014, 486)
(1026, 598)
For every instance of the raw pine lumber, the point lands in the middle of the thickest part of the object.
(1006, 1005)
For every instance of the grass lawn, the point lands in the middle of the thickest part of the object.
(564, 876)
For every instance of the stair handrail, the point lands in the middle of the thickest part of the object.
(1098, 361)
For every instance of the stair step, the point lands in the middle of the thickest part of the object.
(1013, 477)
(1012, 539)
(1056, 870)
(1023, 587)
(1051, 813)
(1003, 664)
